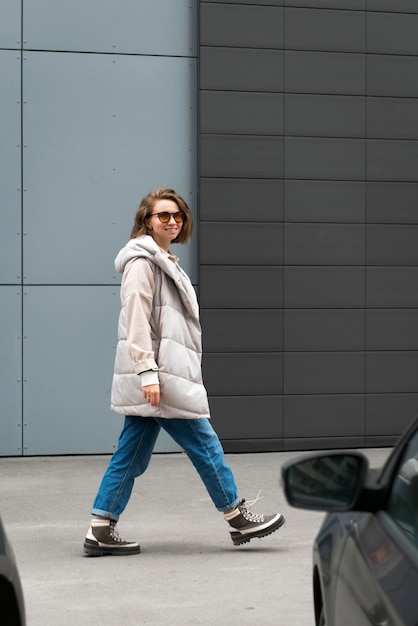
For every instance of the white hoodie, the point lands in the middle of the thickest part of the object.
(158, 328)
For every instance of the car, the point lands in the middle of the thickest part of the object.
(365, 554)
(12, 611)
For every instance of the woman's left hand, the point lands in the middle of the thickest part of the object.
(151, 393)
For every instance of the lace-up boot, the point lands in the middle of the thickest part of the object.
(244, 525)
(103, 539)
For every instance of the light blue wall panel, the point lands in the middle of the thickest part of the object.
(100, 132)
(10, 170)
(69, 347)
(10, 24)
(163, 27)
(10, 371)
(69, 339)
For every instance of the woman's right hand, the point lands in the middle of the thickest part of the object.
(151, 394)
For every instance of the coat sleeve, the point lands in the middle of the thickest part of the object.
(138, 293)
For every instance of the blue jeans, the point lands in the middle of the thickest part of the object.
(132, 457)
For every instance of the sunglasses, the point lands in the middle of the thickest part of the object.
(164, 216)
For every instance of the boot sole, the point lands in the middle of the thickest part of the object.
(238, 538)
(90, 550)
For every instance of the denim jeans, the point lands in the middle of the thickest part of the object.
(133, 454)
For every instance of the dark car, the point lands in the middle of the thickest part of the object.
(365, 555)
(12, 608)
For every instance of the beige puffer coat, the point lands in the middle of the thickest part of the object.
(171, 341)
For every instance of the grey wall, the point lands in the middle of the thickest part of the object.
(98, 107)
(309, 220)
(308, 185)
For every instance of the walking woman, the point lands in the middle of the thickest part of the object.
(157, 380)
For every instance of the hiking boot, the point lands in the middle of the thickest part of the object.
(244, 525)
(103, 539)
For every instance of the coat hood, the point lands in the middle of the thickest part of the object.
(144, 247)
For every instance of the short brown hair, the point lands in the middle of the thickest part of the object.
(146, 208)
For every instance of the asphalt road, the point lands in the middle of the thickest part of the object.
(188, 571)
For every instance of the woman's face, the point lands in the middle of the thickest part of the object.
(164, 232)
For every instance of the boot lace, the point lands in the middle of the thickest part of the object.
(113, 532)
(245, 508)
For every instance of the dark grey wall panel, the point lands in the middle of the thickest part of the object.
(339, 159)
(246, 330)
(325, 116)
(408, 6)
(390, 413)
(391, 372)
(338, 282)
(237, 414)
(276, 3)
(392, 244)
(324, 244)
(246, 286)
(309, 29)
(243, 374)
(389, 33)
(240, 69)
(331, 287)
(392, 329)
(241, 156)
(392, 118)
(325, 72)
(233, 241)
(241, 26)
(239, 199)
(392, 203)
(324, 201)
(253, 445)
(324, 372)
(392, 287)
(380, 441)
(392, 160)
(392, 75)
(327, 443)
(320, 330)
(321, 416)
(327, 4)
(242, 113)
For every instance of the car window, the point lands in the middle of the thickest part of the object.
(403, 501)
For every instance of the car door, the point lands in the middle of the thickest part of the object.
(377, 580)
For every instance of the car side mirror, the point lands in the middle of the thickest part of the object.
(325, 482)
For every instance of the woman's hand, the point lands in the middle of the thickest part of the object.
(151, 393)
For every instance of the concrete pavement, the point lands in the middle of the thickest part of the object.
(188, 571)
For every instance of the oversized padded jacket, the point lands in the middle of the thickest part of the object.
(158, 328)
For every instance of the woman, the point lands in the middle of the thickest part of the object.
(157, 379)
